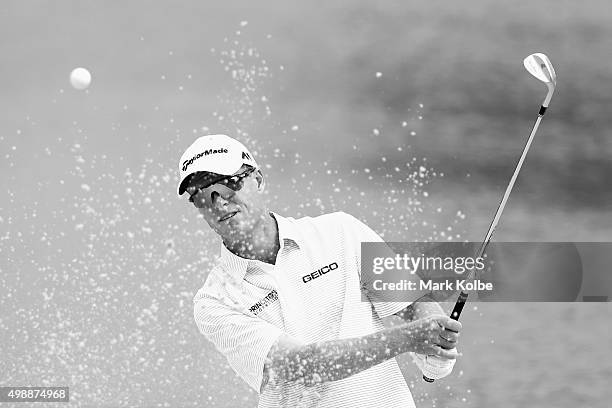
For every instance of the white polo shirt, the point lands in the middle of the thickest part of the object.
(245, 305)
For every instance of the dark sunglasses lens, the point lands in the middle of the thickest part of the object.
(234, 183)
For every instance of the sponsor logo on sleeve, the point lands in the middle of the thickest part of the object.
(263, 303)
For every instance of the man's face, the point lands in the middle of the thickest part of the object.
(231, 205)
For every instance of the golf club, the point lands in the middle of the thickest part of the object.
(540, 67)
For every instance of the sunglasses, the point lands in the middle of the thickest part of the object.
(202, 196)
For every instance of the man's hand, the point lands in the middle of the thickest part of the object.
(433, 367)
(434, 335)
(437, 364)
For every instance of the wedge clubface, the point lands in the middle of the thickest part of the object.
(540, 67)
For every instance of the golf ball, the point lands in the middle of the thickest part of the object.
(80, 78)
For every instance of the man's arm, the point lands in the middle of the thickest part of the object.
(291, 361)
(425, 306)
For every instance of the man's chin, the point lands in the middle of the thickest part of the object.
(238, 227)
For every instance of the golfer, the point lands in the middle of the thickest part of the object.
(284, 302)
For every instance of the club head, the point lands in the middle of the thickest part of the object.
(540, 67)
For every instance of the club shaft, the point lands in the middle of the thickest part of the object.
(504, 200)
(498, 213)
(460, 303)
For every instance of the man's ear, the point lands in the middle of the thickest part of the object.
(261, 181)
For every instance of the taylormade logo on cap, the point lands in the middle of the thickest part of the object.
(186, 163)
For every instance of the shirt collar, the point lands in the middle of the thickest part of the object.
(287, 233)
(287, 230)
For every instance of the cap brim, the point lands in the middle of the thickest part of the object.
(183, 185)
(204, 179)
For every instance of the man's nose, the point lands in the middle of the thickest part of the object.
(219, 201)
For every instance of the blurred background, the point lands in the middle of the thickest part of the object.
(408, 115)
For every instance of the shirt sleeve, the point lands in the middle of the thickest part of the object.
(243, 339)
(360, 232)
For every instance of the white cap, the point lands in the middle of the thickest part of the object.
(218, 154)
